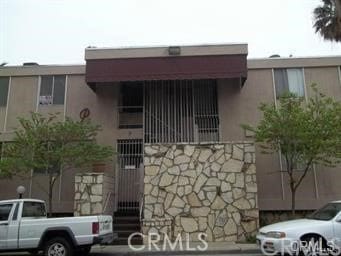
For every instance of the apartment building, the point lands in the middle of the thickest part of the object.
(173, 114)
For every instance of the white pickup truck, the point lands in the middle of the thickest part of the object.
(25, 227)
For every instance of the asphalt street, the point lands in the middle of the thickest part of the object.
(169, 254)
(133, 254)
(155, 254)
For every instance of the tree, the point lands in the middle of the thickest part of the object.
(328, 20)
(46, 144)
(304, 133)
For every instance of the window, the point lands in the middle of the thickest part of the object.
(289, 80)
(4, 82)
(130, 108)
(33, 209)
(5, 210)
(181, 111)
(52, 90)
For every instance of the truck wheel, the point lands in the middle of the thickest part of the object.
(58, 246)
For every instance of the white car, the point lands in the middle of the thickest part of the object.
(25, 227)
(320, 232)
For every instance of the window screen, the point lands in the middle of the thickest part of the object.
(289, 80)
(4, 81)
(5, 210)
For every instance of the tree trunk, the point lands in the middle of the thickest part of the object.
(293, 194)
(293, 202)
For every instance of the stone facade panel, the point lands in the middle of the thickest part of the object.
(208, 188)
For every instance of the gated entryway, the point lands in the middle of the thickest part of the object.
(168, 111)
(129, 174)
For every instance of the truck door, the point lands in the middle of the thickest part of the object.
(5, 214)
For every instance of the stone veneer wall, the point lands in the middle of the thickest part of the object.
(194, 188)
(94, 194)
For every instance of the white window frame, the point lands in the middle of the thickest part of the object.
(288, 68)
(52, 92)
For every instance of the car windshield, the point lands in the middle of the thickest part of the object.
(327, 212)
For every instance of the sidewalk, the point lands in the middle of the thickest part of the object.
(215, 248)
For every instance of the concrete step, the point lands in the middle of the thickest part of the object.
(126, 220)
(124, 241)
(126, 213)
(125, 233)
(126, 226)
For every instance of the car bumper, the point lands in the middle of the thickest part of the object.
(276, 245)
(103, 239)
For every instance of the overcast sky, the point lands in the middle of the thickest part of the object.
(57, 31)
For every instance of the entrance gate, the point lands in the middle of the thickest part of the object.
(129, 174)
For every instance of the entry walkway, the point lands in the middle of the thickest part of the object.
(191, 248)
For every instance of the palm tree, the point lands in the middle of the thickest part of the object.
(328, 20)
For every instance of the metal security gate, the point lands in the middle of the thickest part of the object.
(129, 162)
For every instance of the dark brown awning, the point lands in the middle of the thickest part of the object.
(166, 68)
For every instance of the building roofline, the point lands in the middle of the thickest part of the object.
(294, 62)
(252, 63)
(162, 51)
(166, 46)
(36, 70)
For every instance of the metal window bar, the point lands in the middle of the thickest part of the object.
(180, 111)
(129, 158)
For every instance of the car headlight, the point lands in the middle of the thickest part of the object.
(275, 234)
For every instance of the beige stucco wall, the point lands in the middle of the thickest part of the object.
(22, 99)
(236, 106)
(102, 105)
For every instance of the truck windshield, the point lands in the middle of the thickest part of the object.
(327, 212)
